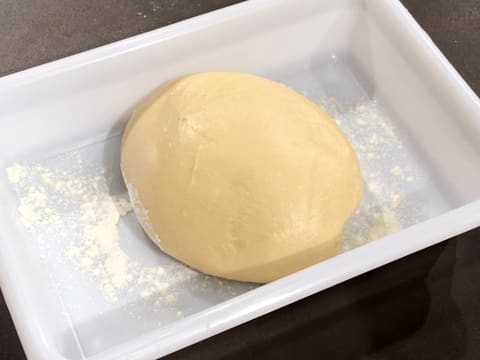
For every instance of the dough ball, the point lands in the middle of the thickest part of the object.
(239, 176)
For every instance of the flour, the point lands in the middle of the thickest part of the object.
(78, 211)
(98, 252)
(123, 206)
(31, 207)
(16, 173)
(396, 170)
(380, 148)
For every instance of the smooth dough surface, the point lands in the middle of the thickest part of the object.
(239, 176)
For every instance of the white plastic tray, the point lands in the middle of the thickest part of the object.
(412, 119)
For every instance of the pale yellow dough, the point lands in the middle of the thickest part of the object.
(239, 176)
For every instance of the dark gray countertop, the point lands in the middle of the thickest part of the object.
(436, 318)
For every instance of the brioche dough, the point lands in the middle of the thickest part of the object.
(239, 176)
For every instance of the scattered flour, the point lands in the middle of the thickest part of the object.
(79, 211)
(396, 170)
(385, 209)
(16, 173)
